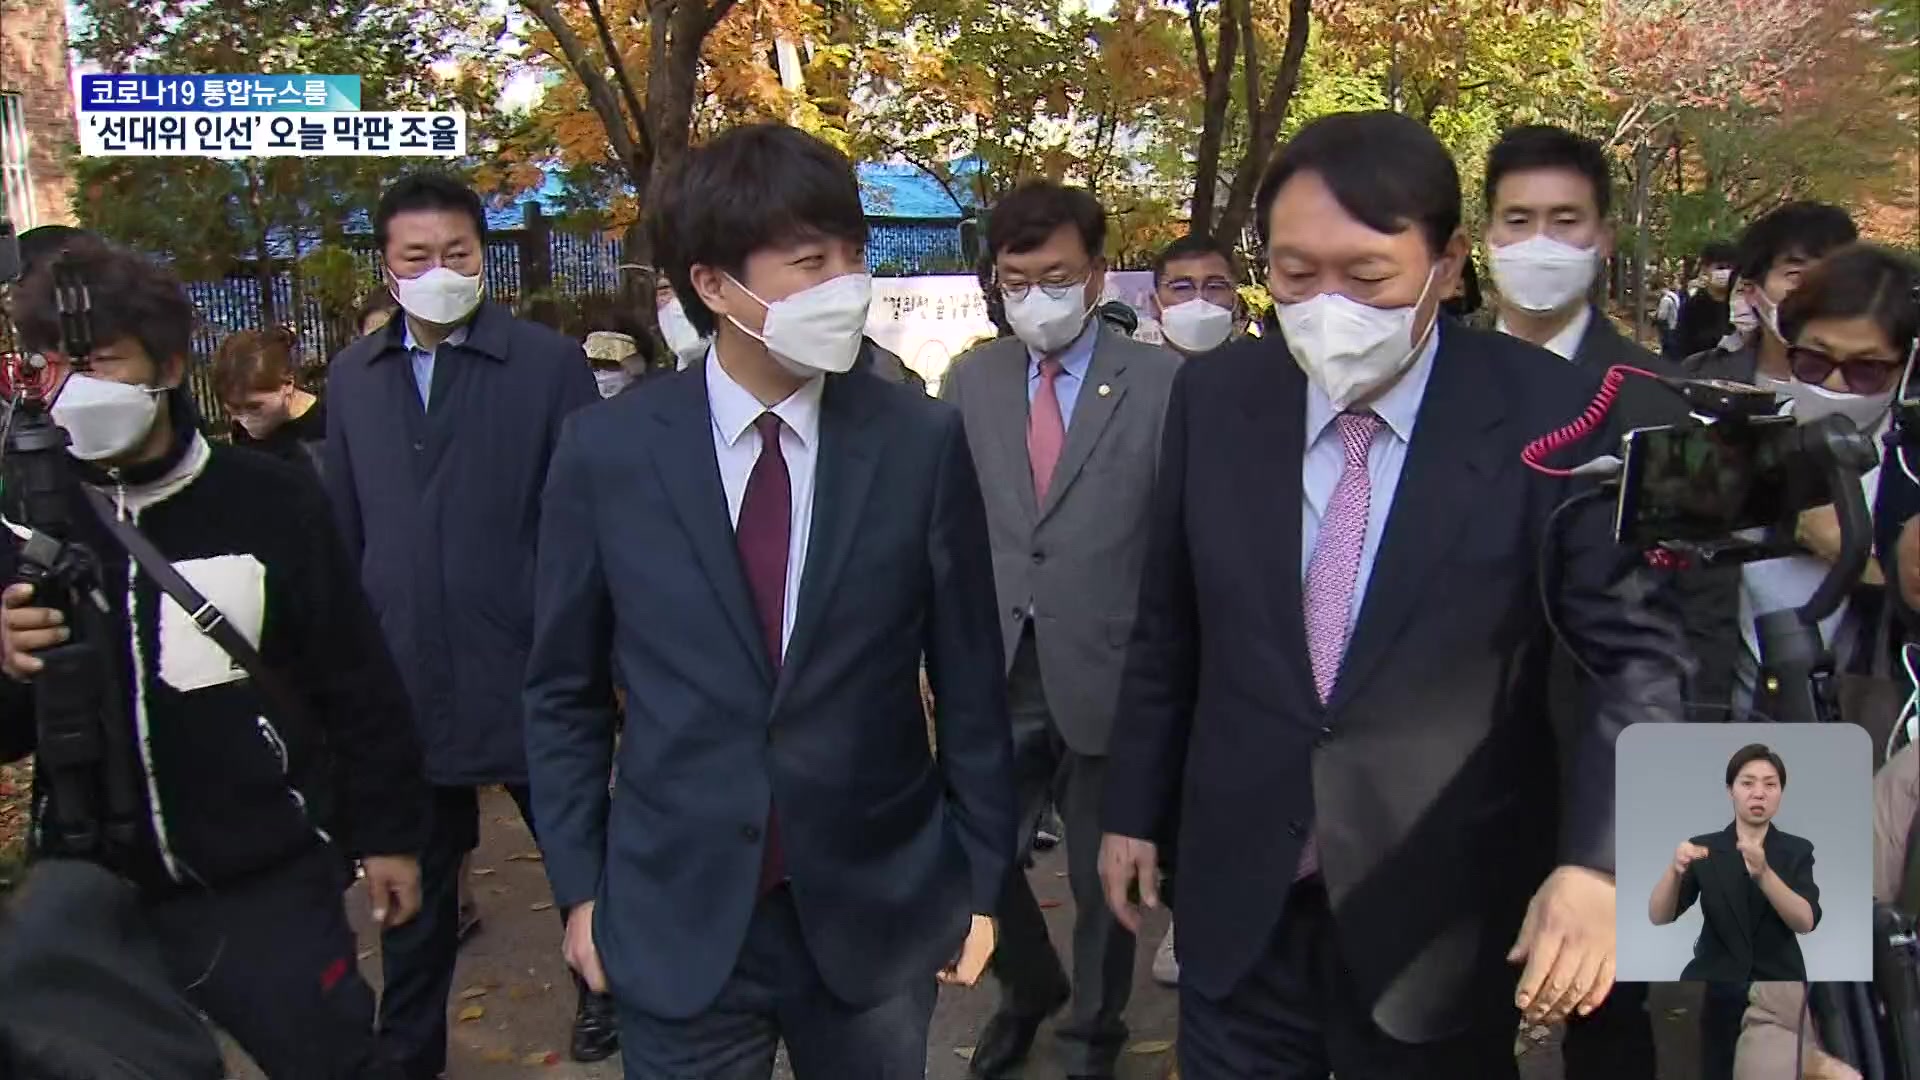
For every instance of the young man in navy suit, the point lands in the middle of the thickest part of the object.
(760, 549)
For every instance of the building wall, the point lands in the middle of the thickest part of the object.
(33, 63)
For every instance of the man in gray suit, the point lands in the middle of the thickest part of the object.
(1064, 423)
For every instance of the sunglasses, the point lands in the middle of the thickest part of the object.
(1861, 376)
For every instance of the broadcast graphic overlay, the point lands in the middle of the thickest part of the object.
(1743, 853)
(242, 116)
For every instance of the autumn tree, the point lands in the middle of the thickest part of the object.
(1266, 91)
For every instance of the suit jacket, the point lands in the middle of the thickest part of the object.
(1076, 560)
(1742, 939)
(1429, 773)
(885, 363)
(889, 849)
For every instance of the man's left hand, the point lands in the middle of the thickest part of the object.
(1819, 532)
(1754, 856)
(1567, 944)
(393, 887)
(967, 968)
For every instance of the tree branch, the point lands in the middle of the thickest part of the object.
(619, 66)
(1199, 44)
(605, 104)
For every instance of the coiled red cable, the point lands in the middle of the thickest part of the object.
(1585, 425)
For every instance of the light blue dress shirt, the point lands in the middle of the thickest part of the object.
(423, 357)
(1326, 459)
(1075, 359)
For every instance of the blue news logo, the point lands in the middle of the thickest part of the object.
(219, 93)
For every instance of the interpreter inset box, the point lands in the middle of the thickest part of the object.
(1743, 853)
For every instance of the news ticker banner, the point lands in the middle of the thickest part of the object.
(246, 116)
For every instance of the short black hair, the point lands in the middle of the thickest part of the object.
(1858, 280)
(131, 296)
(1470, 299)
(1719, 253)
(752, 187)
(40, 244)
(1024, 218)
(1806, 229)
(1751, 753)
(1121, 315)
(1387, 170)
(427, 190)
(1536, 147)
(1196, 245)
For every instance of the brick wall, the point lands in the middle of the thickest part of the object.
(33, 63)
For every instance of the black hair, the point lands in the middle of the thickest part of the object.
(380, 301)
(1197, 245)
(1806, 229)
(1469, 300)
(1121, 315)
(1751, 753)
(1537, 147)
(1387, 170)
(752, 187)
(996, 303)
(1719, 253)
(132, 297)
(1858, 280)
(426, 191)
(40, 244)
(1024, 218)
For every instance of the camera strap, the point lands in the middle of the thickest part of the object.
(204, 614)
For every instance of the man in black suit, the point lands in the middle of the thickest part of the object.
(1754, 882)
(760, 549)
(1352, 657)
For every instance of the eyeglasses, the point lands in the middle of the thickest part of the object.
(1218, 290)
(1861, 376)
(1055, 287)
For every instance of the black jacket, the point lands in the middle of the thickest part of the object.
(233, 785)
(301, 440)
(1742, 939)
(1703, 321)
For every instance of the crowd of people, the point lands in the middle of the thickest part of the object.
(789, 666)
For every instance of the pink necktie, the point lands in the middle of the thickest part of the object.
(1334, 569)
(1046, 431)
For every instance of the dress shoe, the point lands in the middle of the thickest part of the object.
(1008, 1039)
(596, 1028)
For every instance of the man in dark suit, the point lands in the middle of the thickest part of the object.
(760, 549)
(1547, 199)
(1327, 642)
(1064, 421)
(1753, 880)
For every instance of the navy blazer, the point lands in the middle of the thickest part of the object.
(889, 847)
(1430, 772)
(1742, 939)
(441, 508)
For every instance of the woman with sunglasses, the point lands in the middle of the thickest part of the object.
(1848, 329)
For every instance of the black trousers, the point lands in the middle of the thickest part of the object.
(418, 958)
(1029, 972)
(272, 960)
(1614, 1042)
(775, 995)
(1722, 1009)
(1298, 1017)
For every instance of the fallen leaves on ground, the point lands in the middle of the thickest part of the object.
(964, 1053)
(480, 871)
(526, 856)
(498, 1056)
(544, 905)
(541, 1057)
(1049, 905)
(1151, 1046)
(472, 1013)
(474, 993)
(366, 953)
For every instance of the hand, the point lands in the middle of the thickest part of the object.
(582, 955)
(393, 886)
(1754, 855)
(967, 967)
(1819, 532)
(26, 630)
(1567, 943)
(1907, 554)
(1686, 855)
(1124, 863)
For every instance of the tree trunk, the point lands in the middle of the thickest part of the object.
(1267, 119)
(262, 253)
(1637, 271)
(1216, 80)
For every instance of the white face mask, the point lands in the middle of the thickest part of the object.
(103, 418)
(1541, 274)
(1741, 314)
(440, 296)
(1046, 323)
(817, 329)
(611, 382)
(1348, 349)
(682, 338)
(1719, 279)
(1196, 325)
(1767, 312)
(1807, 402)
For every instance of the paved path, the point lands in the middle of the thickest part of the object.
(517, 1002)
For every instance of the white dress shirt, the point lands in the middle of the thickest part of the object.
(737, 446)
(1565, 343)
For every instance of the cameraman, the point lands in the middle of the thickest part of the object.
(237, 878)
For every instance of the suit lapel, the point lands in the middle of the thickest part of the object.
(690, 472)
(1093, 407)
(1005, 413)
(1272, 448)
(843, 476)
(1442, 473)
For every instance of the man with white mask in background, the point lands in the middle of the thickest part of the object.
(1194, 297)
(682, 340)
(1773, 254)
(1064, 420)
(439, 429)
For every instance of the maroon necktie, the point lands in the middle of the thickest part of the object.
(764, 535)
